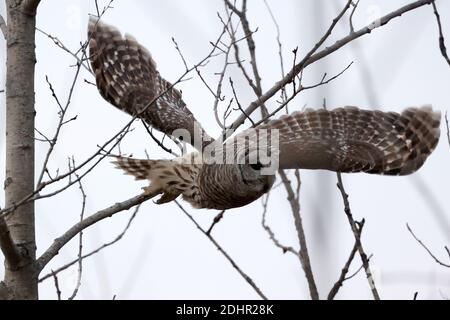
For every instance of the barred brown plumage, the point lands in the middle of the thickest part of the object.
(345, 139)
(127, 77)
(353, 140)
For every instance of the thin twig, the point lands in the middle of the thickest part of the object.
(58, 290)
(356, 233)
(158, 142)
(105, 245)
(355, 6)
(257, 88)
(80, 243)
(359, 269)
(428, 250)
(62, 46)
(342, 278)
(301, 88)
(96, 8)
(61, 241)
(239, 104)
(442, 46)
(224, 253)
(218, 94)
(180, 54)
(62, 113)
(280, 51)
(216, 220)
(271, 234)
(303, 253)
(308, 60)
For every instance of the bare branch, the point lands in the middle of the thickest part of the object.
(62, 113)
(105, 8)
(343, 276)
(271, 234)
(80, 243)
(241, 66)
(355, 6)
(216, 220)
(233, 8)
(61, 241)
(257, 88)
(105, 245)
(300, 88)
(239, 104)
(58, 290)
(225, 254)
(158, 142)
(442, 46)
(325, 80)
(61, 45)
(428, 250)
(82, 61)
(180, 54)
(219, 90)
(309, 59)
(72, 182)
(96, 8)
(280, 51)
(218, 93)
(357, 233)
(358, 270)
(303, 254)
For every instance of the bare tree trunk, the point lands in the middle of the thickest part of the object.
(21, 278)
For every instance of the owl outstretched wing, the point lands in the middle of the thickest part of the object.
(350, 139)
(127, 77)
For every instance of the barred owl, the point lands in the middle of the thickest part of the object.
(345, 139)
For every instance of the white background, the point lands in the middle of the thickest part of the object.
(163, 255)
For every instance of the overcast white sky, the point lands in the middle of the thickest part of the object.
(163, 255)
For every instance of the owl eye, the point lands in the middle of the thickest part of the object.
(256, 166)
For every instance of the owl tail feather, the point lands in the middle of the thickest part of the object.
(159, 172)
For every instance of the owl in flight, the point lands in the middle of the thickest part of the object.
(345, 139)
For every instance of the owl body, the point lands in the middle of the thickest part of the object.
(203, 185)
(347, 139)
(236, 184)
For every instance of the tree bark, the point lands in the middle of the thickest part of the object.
(20, 279)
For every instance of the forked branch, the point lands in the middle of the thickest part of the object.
(309, 59)
(357, 234)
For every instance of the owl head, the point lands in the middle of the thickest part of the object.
(254, 178)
